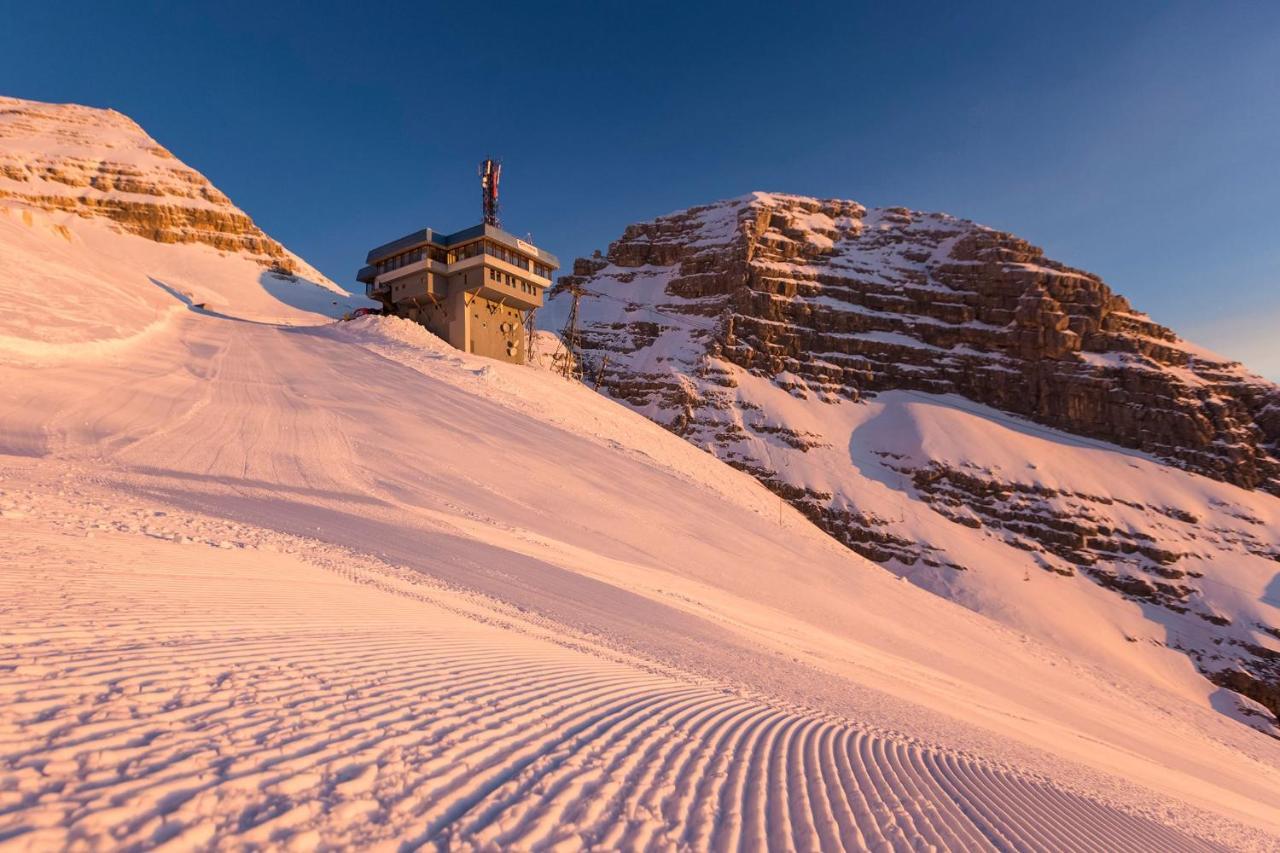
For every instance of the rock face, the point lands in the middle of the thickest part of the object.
(99, 163)
(769, 329)
(851, 303)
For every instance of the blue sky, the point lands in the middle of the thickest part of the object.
(1138, 140)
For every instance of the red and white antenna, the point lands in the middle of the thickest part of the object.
(490, 171)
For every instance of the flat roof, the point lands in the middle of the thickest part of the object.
(426, 235)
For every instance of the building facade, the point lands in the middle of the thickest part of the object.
(474, 288)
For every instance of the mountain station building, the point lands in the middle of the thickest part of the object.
(474, 288)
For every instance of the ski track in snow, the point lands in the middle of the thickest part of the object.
(183, 695)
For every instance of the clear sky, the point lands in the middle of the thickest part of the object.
(1137, 140)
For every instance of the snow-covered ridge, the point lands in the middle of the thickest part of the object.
(932, 392)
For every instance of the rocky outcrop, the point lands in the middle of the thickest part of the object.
(99, 163)
(752, 326)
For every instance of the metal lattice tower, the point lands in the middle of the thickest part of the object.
(572, 365)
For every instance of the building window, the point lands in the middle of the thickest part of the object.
(461, 253)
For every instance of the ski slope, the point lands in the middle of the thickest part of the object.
(370, 448)
(255, 696)
(79, 289)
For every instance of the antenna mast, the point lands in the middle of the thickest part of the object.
(490, 171)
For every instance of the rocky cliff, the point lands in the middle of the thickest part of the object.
(776, 330)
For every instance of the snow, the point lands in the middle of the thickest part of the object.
(416, 721)
(1113, 360)
(892, 338)
(864, 444)
(77, 288)
(271, 580)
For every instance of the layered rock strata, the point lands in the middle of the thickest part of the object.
(758, 327)
(101, 164)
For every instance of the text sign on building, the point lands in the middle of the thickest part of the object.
(525, 247)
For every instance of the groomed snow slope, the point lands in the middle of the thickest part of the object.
(259, 697)
(77, 288)
(644, 603)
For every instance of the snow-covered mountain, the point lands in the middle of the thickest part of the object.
(105, 235)
(271, 581)
(991, 424)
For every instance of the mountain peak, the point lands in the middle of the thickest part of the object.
(100, 164)
(945, 399)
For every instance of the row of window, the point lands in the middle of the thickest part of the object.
(503, 278)
(412, 257)
(469, 250)
(502, 253)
